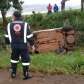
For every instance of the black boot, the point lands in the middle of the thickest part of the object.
(26, 73)
(13, 70)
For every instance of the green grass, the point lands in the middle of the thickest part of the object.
(60, 64)
(4, 59)
(51, 62)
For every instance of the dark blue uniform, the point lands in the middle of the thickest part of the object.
(18, 35)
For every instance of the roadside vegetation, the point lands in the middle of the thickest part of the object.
(52, 63)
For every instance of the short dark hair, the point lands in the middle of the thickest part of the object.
(17, 14)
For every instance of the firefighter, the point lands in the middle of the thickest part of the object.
(18, 34)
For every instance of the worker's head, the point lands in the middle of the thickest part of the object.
(16, 15)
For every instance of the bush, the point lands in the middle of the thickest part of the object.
(80, 40)
(55, 20)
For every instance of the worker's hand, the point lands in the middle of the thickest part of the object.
(33, 48)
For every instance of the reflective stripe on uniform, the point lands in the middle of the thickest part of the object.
(25, 32)
(14, 61)
(25, 64)
(9, 34)
(29, 36)
(6, 36)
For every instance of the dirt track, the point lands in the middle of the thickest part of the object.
(41, 79)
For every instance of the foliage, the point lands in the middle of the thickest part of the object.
(56, 20)
(5, 6)
(2, 40)
(80, 39)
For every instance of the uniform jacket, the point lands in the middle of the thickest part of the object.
(18, 34)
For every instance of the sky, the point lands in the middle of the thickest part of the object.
(70, 2)
(26, 7)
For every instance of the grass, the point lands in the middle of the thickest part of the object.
(59, 64)
(51, 62)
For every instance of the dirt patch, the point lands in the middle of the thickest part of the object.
(39, 78)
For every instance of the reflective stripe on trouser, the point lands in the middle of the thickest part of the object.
(14, 61)
(25, 64)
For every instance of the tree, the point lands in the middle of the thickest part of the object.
(63, 4)
(5, 6)
(82, 5)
